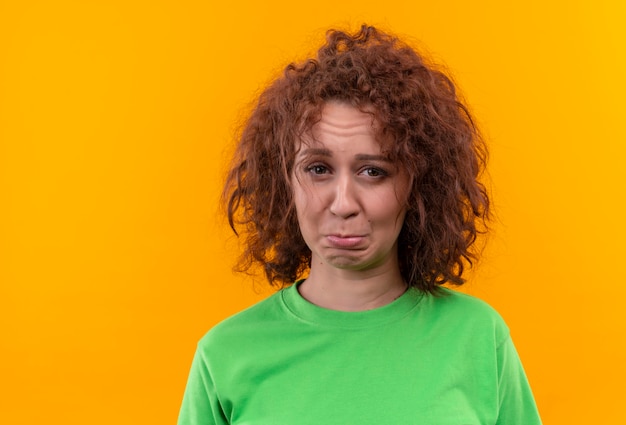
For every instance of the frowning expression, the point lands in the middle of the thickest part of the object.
(350, 198)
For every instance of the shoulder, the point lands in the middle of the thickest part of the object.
(463, 302)
(467, 312)
(245, 322)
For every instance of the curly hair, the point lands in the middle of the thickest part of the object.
(433, 137)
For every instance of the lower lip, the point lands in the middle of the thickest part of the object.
(345, 242)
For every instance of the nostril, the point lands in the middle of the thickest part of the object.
(344, 205)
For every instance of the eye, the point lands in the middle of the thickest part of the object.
(317, 169)
(374, 172)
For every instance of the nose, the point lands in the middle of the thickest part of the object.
(345, 200)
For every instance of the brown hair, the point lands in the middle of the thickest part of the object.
(433, 137)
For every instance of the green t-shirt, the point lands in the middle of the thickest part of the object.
(421, 359)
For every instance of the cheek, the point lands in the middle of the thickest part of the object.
(390, 209)
(400, 219)
(307, 198)
(306, 221)
(304, 206)
(300, 200)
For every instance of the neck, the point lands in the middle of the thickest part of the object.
(352, 290)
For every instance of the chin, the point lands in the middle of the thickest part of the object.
(347, 262)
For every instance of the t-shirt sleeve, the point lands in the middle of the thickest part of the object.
(517, 405)
(200, 404)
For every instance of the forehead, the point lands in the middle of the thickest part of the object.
(342, 117)
(342, 123)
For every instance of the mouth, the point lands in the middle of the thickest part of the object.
(345, 241)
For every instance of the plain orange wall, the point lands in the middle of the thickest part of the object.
(116, 117)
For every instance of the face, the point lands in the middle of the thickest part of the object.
(349, 198)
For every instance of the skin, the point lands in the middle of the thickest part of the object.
(351, 202)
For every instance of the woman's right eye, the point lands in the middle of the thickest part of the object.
(317, 169)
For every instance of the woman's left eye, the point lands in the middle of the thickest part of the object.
(374, 172)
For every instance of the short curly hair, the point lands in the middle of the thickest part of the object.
(433, 135)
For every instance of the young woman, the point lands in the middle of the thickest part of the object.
(356, 177)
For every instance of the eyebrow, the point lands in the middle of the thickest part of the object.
(316, 151)
(360, 156)
(366, 157)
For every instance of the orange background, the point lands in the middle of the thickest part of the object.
(116, 117)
